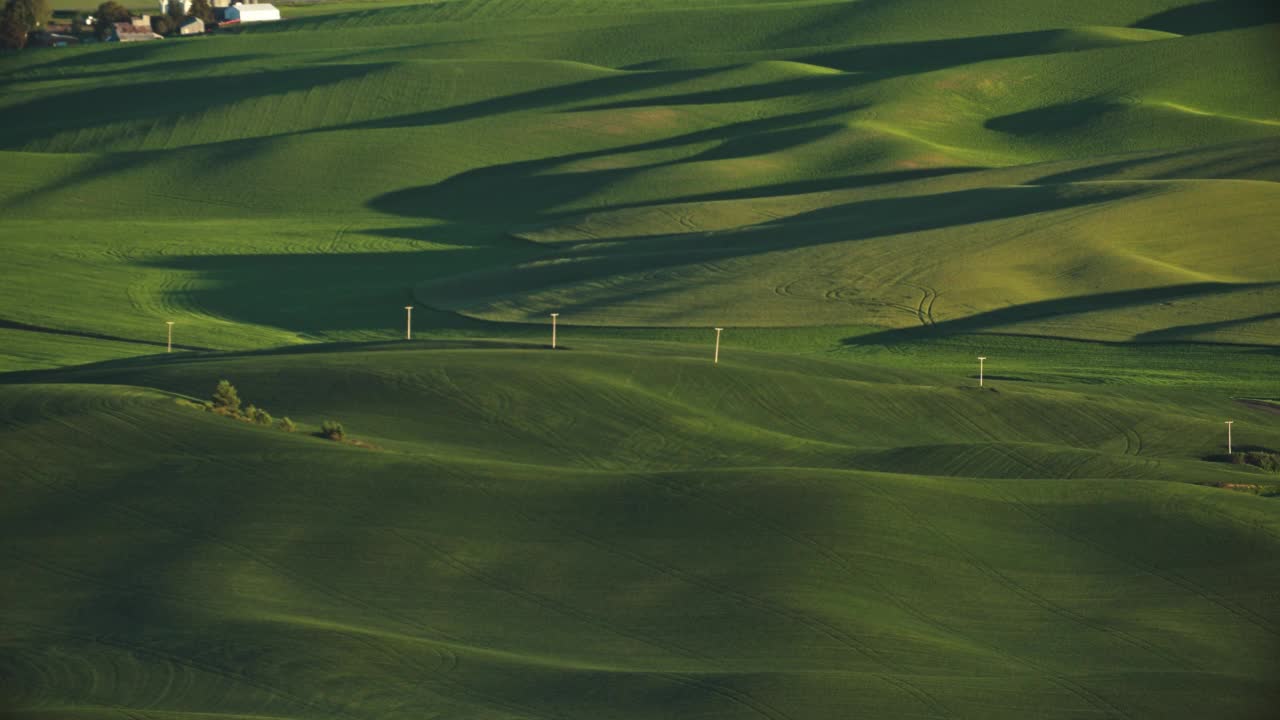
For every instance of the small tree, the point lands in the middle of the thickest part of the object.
(31, 13)
(258, 415)
(286, 424)
(225, 398)
(13, 32)
(333, 430)
(108, 14)
(200, 9)
(161, 24)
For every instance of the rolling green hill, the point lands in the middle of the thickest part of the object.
(834, 521)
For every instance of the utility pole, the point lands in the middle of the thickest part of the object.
(716, 361)
(169, 343)
(553, 329)
(1229, 435)
(981, 362)
(408, 322)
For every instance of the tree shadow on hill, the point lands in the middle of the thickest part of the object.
(789, 88)
(1248, 160)
(315, 294)
(45, 117)
(1054, 118)
(1184, 332)
(646, 255)
(66, 69)
(533, 188)
(909, 58)
(549, 97)
(1051, 309)
(1212, 16)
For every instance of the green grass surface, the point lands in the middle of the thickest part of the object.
(833, 522)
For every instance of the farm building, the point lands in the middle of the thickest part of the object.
(191, 26)
(259, 12)
(129, 32)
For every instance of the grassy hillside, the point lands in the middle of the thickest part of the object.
(651, 535)
(832, 522)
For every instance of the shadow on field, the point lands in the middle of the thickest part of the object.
(1054, 118)
(532, 188)
(1251, 160)
(788, 88)
(69, 68)
(543, 98)
(46, 117)
(318, 293)
(647, 255)
(1184, 332)
(1048, 309)
(1212, 16)
(909, 58)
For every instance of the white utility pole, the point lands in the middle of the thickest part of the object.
(716, 361)
(169, 343)
(981, 362)
(553, 329)
(408, 322)
(1229, 436)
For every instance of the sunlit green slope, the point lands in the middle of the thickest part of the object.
(856, 163)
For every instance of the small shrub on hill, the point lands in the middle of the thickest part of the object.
(286, 424)
(257, 415)
(226, 400)
(333, 430)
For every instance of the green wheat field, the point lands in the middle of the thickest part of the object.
(832, 522)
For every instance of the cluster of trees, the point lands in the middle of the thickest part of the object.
(226, 401)
(20, 17)
(1264, 459)
(175, 16)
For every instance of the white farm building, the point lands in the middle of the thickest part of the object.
(256, 12)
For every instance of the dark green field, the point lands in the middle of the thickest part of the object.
(835, 521)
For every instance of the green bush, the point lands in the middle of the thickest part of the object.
(1264, 459)
(257, 415)
(226, 399)
(333, 430)
(286, 424)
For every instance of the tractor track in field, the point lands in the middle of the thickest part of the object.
(191, 664)
(543, 601)
(739, 698)
(743, 699)
(840, 561)
(332, 593)
(1030, 596)
(755, 521)
(449, 660)
(1048, 604)
(1168, 576)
